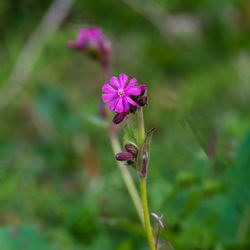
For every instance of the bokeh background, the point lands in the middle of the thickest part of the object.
(60, 187)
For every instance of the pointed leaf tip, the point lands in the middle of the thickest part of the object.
(143, 156)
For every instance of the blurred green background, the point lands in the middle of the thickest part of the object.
(60, 187)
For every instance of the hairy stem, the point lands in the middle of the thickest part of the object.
(146, 214)
(147, 224)
(127, 178)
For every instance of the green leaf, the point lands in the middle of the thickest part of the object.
(144, 152)
(129, 135)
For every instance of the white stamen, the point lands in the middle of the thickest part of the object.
(121, 92)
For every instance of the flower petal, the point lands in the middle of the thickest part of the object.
(82, 35)
(112, 105)
(133, 91)
(131, 83)
(119, 106)
(143, 89)
(115, 82)
(131, 101)
(126, 105)
(123, 79)
(107, 88)
(108, 97)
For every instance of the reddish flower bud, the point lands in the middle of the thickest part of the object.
(119, 117)
(143, 89)
(142, 100)
(131, 149)
(123, 156)
(144, 169)
(93, 42)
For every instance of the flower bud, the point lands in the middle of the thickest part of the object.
(119, 117)
(123, 156)
(142, 100)
(144, 169)
(93, 42)
(131, 149)
(143, 89)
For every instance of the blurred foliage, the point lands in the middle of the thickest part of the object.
(60, 187)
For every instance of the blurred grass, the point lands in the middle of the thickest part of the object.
(57, 173)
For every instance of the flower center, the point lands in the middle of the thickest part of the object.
(121, 92)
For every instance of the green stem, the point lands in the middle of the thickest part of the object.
(127, 178)
(146, 214)
(143, 187)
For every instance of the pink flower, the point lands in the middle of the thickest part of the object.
(120, 94)
(90, 38)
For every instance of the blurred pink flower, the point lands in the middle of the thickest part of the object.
(120, 94)
(90, 39)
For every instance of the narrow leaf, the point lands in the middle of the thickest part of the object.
(129, 135)
(143, 156)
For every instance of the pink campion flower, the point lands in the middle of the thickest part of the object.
(120, 94)
(94, 43)
(90, 39)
